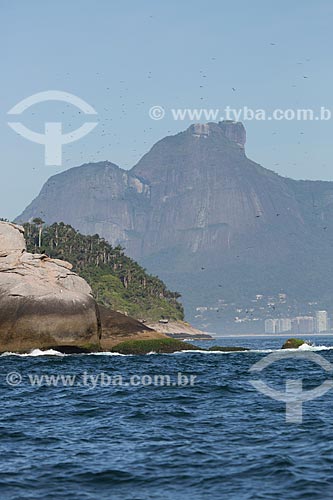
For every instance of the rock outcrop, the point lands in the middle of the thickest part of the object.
(43, 304)
(235, 131)
(117, 328)
(179, 329)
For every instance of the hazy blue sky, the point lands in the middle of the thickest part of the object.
(125, 56)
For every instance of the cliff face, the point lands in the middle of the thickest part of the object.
(205, 194)
(199, 213)
(94, 198)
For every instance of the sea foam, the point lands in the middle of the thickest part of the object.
(35, 353)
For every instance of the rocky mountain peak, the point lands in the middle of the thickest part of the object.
(235, 131)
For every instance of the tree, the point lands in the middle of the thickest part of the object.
(117, 280)
(39, 222)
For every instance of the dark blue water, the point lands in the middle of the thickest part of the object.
(216, 439)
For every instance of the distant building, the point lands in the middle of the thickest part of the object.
(277, 325)
(284, 325)
(321, 321)
(303, 324)
(270, 325)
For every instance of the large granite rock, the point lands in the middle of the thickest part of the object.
(43, 303)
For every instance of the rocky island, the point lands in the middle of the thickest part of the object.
(44, 304)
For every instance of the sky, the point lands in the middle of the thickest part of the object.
(124, 57)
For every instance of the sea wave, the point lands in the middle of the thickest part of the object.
(313, 347)
(304, 347)
(53, 352)
(35, 353)
(107, 353)
(201, 351)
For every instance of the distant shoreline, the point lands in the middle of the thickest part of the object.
(270, 335)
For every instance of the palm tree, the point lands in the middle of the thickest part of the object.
(39, 222)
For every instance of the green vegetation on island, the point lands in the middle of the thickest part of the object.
(118, 282)
(153, 345)
(293, 343)
(166, 346)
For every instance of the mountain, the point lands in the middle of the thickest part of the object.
(213, 224)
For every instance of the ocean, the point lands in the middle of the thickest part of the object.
(179, 426)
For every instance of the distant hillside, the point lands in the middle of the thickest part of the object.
(117, 280)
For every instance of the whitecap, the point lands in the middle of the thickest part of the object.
(35, 353)
(309, 347)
